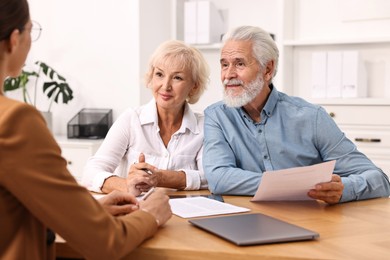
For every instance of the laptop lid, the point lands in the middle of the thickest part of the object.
(253, 229)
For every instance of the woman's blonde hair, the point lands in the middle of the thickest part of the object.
(186, 56)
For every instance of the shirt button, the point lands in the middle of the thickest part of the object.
(266, 157)
(260, 131)
(166, 155)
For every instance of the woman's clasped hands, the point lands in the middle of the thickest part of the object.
(142, 176)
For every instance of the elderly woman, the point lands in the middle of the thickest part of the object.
(160, 143)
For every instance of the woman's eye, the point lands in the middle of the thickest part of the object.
(178, 78)
(158, 74)
(240, 64)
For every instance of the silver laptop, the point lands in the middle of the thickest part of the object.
(253, 229)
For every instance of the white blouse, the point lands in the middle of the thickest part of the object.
(136, 131)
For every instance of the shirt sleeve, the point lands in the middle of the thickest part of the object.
(195, 179)
(108, 157)
(39, 180)
(361, 178)
(219, 162)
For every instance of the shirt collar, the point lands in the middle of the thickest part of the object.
(272, 100)
(149, 115)
(268, 107)
(190, 121)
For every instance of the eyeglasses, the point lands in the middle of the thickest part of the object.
(36, 30)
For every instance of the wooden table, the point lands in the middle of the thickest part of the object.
(354, 230)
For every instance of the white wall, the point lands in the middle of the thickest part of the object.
(90, 43)
(102, 47)
(155, 28)
(96, 46)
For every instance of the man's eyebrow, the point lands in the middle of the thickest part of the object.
(235, 59)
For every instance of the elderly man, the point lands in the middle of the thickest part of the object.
(257, 128)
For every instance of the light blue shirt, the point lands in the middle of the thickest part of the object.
(292, 133)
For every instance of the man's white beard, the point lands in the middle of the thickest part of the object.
(250, 91)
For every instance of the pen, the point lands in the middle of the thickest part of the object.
(147, 194)
(144, 169)
(147, 171)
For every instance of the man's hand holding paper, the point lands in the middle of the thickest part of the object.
(330, 192)
(301, 183)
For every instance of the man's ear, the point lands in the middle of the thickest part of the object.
(13, 41)
(269, 70)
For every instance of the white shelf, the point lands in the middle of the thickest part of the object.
(213, 46)
(319, 42)
(351, 101)
(300, 32)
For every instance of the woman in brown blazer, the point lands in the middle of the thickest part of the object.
(37, 193)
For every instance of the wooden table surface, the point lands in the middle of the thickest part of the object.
(354, 230)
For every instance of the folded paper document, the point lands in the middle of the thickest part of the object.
(201, 206)
(293, 183)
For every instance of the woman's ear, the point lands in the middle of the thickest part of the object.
(13, 41)
(193, 91)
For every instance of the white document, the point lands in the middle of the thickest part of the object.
(201, 206)
(293, 183)
(190, 26)
(354, 80)
(210, 25)
(387, 79)
(334, 74)
(98, 196)
(318, 74)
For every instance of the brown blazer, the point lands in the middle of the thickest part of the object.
(37, 192)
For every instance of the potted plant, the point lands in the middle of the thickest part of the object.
(54, 86)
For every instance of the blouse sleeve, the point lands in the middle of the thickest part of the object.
(109, 155)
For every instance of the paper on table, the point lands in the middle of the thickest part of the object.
(98, 195)
(293, 183)
(200, 206)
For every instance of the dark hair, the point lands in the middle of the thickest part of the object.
(14, 14)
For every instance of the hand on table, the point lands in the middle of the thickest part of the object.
(157, 204)
(119, 203)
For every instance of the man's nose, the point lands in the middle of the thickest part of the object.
(231, 72)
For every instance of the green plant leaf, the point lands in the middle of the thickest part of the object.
(61, 77)
(61, 89)
(56, 87)
(12, 84)
(47, 86)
